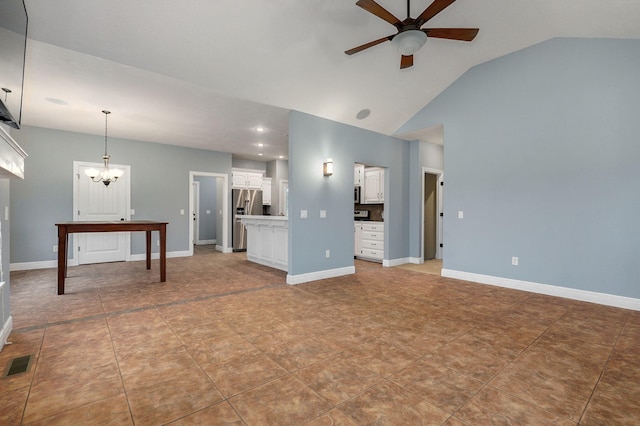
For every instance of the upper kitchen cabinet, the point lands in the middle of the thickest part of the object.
(373, 185)
(358, 174)
(11, 157)
(246, 179)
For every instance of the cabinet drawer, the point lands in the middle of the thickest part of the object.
(372, 244)
(374, 254)
(373, 227)
(376, 236)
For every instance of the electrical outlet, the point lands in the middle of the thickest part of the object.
(327, 253)
(158, 243)
(514, 261)
(304, 214)
(323, 214)
(181, 212)
(55, 249)
(460, 214)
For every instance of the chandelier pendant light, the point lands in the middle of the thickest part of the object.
(107, 174)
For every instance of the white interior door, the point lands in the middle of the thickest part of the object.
(95, 202)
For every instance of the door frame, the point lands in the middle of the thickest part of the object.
(125, 179)
(195, 214)
(225, 208)
(439, 219)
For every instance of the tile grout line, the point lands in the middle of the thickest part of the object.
(115, 356)
(604, 368)
(35, 370)
(144, 308)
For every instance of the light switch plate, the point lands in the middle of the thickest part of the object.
(323, 214)
(303, 214)
(460, 214)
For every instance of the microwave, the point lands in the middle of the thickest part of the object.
(357, 192)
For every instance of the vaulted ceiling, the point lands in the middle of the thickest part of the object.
(206, 74)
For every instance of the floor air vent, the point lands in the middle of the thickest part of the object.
(18, 365)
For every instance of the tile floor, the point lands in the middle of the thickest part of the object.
(225, 341)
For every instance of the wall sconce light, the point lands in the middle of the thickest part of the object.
(328, 167)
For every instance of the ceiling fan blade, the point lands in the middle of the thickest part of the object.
(432, 10)
(462, 34)
(382, 13)
(368, 45)
(406, 62)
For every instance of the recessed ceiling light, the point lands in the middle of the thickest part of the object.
(363, 114)
(260, 144)
(260, 154)
(281, 157)
(260, 129)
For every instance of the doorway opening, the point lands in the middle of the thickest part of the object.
(209, 212)
(432, 188)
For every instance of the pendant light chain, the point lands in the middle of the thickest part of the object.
(107, 175)
(106, 114)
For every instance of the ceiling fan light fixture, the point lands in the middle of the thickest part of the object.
(409, 42)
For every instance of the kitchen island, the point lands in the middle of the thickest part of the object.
(268, 240)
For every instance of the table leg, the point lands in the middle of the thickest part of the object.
(148, 249)
(62, 257)
(163, 252)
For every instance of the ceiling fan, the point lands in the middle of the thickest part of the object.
(410, 37)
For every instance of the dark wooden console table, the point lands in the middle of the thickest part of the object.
(66, 228)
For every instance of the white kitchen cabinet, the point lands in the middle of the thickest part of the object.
(373, 185)
(266, 191)
(267, 240)
(246, 179)
(11, 157)
(358, 174)
(370, 244)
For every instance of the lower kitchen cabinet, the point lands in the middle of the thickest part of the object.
(370, 241)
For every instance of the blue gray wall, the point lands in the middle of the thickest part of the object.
(159, 186)
(311, 141)
(542, 155)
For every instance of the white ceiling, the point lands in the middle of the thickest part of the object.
(205, 74)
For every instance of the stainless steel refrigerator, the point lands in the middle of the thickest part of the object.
(245, 202)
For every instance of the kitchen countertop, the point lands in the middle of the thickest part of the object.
(263, 217)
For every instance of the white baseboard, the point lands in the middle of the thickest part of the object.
(396, 262)
(568, 293)
(143, 256)
(224, 250)
(320, 275)
(26, 266)
(205, 242)
(5, 332)
(46, 264)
